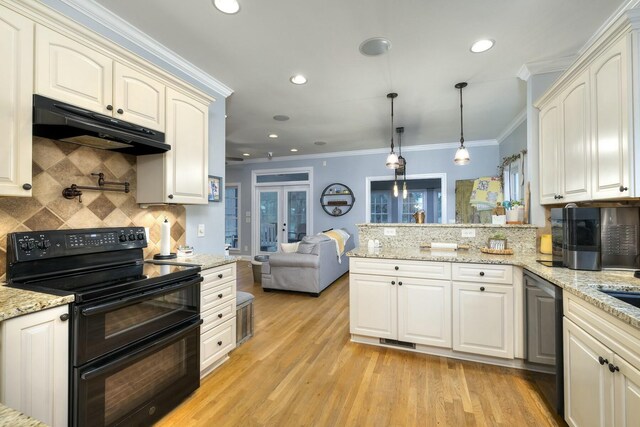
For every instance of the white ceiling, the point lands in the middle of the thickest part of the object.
(344, 103)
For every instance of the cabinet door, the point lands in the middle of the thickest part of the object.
(610, 123)
(576, 144)
(140, 98)
(588, 384)
(35, 371)
(424, 311)
(72, 72)
(483, 319)
(16, 87)
(541, 311)
(549, 134)
(627, 394)
(373, 306)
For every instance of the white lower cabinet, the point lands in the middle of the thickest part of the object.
(35, 365)
(218, 312)
(601, 368)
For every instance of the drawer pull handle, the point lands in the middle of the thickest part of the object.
(219, 342)
(623, 188)
(120, 111)
(397, 268)
(110, 107)
(220, 316)
(64, 317)
(220, 276)
(393, 282)
(602, 360)
(26, 186)
(481, 288)
(613, 368)
(399, 283)
(219, 295)
(482, 273)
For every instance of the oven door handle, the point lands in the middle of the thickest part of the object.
(140, 352)
(114, 305)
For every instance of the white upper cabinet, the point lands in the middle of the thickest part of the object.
(609, 125)
(72, 72)
(138, 98)
(180, 174)
(549, 147)
(16, 87)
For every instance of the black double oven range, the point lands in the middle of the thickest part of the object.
(134, 333)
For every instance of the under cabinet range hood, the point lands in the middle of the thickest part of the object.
(64, 122)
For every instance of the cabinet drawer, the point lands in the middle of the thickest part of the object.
(214, 276)
(218, 315)
(483, 273)
(406, 268)
(217, 342)
(218, 295)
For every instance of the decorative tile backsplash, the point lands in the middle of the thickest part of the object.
(57, 165)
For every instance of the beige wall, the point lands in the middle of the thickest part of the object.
(57, 165)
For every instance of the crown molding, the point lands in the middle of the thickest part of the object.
(104, 17)
(410, 148)
(625, 7)
(517, 121)
(545, 66)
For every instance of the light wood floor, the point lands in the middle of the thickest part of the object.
(300, 369)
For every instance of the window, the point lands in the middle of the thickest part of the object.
(415, 201)
(231, 216)
(380, 206)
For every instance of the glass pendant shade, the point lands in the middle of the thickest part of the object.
(392, 161)
(462, 156)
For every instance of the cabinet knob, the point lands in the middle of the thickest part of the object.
(560, 197)
(602, 360)
(110, 107)
(170, 196)
(396, 268)
(120, 111)
(220, 276)
(481, 288)
(219, 295)
(482, 273)
(64, 317)
(399, 283)
(612, 368)
(220, 316)
(219, 342)
(623, 188)
(26, 186)
(393, 282)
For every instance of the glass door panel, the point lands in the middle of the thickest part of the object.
(269, 220)
(296, 202)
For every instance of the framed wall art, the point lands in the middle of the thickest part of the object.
(215, 188)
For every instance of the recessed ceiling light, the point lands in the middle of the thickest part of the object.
(273, 135)
(374, 46)
(227, 6)
(320, 143)
(482, 45)
(298, 79)
(246, 154)
(281, 117)
(293, 150)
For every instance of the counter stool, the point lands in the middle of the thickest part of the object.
(244, 316)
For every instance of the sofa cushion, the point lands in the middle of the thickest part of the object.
(308, 244)
(294, 260)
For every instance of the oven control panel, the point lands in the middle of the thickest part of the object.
(26, 246)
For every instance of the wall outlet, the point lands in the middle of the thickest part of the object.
(389, 231)
(468, 232)
(200, 230)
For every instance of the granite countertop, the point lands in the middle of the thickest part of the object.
(16, 302)
(436, 225)
(584, 284)
(205, 261)
(12, 418)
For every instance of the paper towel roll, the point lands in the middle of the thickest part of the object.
(165, 238)
(445, 246)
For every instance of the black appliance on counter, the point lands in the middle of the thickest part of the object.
(543, 338)
(134, 336)
(65, 122)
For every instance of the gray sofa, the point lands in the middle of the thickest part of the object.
(306, 272)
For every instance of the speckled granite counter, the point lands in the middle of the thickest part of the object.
(12, 418)
(584, 284)
(205, 261)
(16, 302)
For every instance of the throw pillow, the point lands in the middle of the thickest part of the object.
(289, 248)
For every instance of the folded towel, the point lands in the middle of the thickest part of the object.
(340, 237)
(487, 191)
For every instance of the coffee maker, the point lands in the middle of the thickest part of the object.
(576, 237)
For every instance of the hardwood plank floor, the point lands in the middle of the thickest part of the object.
(300, 369)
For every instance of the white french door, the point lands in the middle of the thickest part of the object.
(282, 212)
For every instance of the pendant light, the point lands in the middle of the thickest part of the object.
(462, 155)
(402, 169)
(392, 158)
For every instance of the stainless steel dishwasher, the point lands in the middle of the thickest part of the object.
(543, 338)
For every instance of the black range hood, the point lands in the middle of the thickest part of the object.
(64, 122)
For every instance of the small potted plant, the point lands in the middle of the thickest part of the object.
(497, 241)
(515, 212)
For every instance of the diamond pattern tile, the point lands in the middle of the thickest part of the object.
(57, 165)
